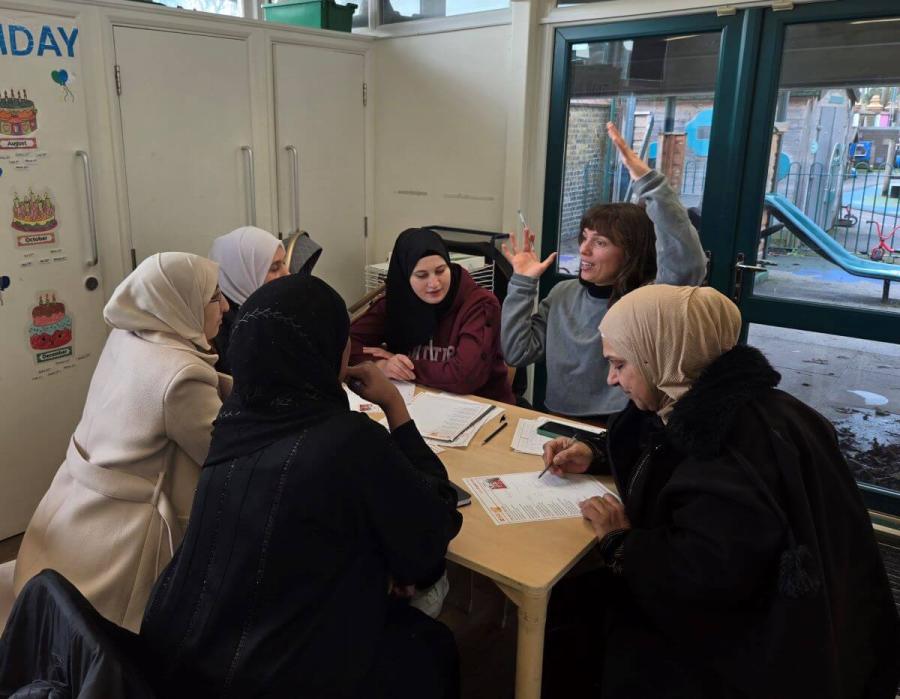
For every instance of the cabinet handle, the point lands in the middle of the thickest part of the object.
(295, 188)
(89, 195)
(251, 185)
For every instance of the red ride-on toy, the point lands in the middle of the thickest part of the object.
(885, 242)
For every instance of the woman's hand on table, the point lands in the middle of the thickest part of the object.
(394, 366)
(370, 383)
(606, 514)
(565, 455)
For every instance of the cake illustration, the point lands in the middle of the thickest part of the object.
(18, 114)
(50, 326)
(33, 213)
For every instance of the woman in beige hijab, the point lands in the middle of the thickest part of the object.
(117, 508)
(740, 561)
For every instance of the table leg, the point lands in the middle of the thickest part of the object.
(532, 606)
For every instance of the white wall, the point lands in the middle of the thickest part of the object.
(440, 131)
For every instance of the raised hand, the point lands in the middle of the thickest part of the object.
(565, 455)
(523, 259)
(637, 168)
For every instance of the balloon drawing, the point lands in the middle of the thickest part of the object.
(61, 78)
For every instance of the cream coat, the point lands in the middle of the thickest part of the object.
(118, 505)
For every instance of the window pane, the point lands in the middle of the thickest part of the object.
(234, 8)
(832, 176)
(854, 383)
(659, 91)
(405, 10)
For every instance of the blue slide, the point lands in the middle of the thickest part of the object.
(810, 233)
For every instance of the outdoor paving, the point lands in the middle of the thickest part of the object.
(808, 277)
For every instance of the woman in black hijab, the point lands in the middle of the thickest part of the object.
(305, 514)
(434, 325)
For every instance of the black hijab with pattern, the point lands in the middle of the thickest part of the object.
(410, 320)
(285, 353)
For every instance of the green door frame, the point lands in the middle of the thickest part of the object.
(865, 324)
(728, 136)
(745, 101)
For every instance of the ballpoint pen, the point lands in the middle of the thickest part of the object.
(503, 423)
(522, 219)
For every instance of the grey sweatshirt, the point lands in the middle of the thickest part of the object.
(564, 330)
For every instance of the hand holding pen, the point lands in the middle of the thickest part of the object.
(566, 455)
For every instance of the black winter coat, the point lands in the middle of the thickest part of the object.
(751, 569)
(279, 588)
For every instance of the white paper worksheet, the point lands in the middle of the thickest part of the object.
(514, 498)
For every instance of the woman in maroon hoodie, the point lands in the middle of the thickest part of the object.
(434, 325)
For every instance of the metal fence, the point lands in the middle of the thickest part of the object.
(848, 203)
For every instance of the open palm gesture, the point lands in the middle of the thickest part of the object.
(637, 168)
(523, 258)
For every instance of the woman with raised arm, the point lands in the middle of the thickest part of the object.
(741, 560)
(622, 247)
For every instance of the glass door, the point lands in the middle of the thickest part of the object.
(672, 87)
(816, 266)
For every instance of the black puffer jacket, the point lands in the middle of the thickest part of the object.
(751, 569)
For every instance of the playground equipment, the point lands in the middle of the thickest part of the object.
(823, 244)
(877, 253)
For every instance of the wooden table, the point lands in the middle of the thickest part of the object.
(524, 560)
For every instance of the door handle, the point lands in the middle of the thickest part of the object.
(295, 188)
(739, 269)
(85, 159)
(251, 185)
(749, 268)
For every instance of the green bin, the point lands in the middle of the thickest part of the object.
(322, 14)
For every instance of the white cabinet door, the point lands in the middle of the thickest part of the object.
(319, 112)
(186, 122)
(51, 313)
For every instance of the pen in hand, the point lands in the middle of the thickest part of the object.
(503, 423)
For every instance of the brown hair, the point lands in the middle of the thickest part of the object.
(627, 226)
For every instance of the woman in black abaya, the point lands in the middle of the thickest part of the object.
(305, 515)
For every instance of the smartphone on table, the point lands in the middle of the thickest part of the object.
(558, 429)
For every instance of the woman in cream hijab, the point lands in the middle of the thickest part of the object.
(248, 257)
(740, 561)
(118, 505)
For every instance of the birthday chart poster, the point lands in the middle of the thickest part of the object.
(38, 58)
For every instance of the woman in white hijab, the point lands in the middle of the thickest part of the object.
(248, 257)
(740, 561)
(118, 505)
